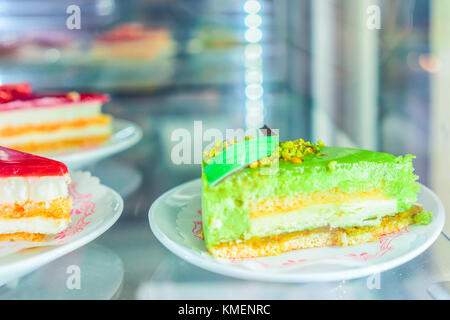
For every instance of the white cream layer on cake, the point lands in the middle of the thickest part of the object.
(340, 215)
(33, 225)
(17, 189)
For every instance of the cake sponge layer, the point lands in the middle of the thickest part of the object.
(34, 217)
(63, 143)
(22, 236)
(49, 126)
(57, 209)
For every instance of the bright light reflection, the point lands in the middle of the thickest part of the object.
(253, 21)
(253, 35)
(254, 106)
(252, 6)
(255, 122)
(254, 91)
(253, 63)
(429, 63)
(254, 76)
(253, 50)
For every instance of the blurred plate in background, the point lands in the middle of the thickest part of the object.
(125, 135)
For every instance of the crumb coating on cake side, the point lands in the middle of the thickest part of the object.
(320, 237)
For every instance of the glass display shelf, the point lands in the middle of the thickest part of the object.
(93, 272)
(127, 262)
(150, 271)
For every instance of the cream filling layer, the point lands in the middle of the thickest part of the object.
(42, 115)
(33, 225)
(15, 189)
(365, 213)
(60, 135)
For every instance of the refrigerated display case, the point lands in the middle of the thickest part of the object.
(312, 69)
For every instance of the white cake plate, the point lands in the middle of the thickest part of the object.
(95, 209)
(175, 219)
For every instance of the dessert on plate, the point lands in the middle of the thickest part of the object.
(41, 122)
(34, 197)
(37, 47)
(132, 42)
(213, 36)
(296, 194)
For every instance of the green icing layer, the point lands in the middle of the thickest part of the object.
(239, 155)
(225, 211)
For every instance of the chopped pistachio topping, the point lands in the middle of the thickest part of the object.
(295, 151)
(332, 165)
(218, 147)
(266, 161)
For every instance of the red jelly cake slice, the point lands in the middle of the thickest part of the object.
(32, 122)
(34, 196)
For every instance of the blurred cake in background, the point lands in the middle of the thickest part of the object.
(213, 36)
(132, 41)
(47, 122)
(216, 55)
(38, 47)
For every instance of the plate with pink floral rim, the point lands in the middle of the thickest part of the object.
(95, 208)
(175, 219)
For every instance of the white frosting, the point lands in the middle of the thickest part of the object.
(14, 189)
(42, 115)
(64, 134)
(33, 225)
